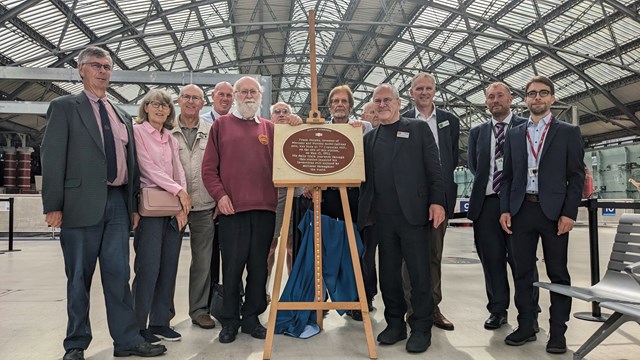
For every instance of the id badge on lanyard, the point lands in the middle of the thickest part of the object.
(533, 171)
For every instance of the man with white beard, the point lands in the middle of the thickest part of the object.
(237, 173)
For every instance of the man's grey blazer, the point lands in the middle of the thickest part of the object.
(74, 166)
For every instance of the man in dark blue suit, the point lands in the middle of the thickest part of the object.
(445, 127)
(401, 197)
(540, 192)
(90, 180)
(486, 160)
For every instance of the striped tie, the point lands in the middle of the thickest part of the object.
(497, 174)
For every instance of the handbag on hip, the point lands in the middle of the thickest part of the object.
(156, 202)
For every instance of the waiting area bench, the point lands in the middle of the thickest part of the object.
(619, 289)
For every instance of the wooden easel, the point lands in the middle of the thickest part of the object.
(317, 185)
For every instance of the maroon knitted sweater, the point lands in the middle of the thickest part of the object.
(238, 162)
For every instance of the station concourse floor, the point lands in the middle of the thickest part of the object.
(33, 314)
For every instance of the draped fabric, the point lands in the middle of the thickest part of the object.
(337, 273)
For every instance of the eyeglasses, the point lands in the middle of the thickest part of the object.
(386, 101)
(543, 93)
(281, 111)
(191, 97)
(157, 105)
(253, 92)
(97, 66)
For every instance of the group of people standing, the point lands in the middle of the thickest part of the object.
(95, 161)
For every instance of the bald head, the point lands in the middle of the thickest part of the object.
(369, 114)
(222, 96)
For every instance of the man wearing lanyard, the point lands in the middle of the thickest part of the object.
(486, 160)
(540, 192)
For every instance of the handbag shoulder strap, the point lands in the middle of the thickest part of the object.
(173, 163)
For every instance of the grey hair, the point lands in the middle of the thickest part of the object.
(280, 103)
(93, 51)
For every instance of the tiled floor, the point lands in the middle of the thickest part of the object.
(33, 315)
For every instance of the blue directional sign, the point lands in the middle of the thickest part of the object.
(464, 205)
(608, 212)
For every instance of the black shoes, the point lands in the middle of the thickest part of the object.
(165, 333)
(144, 349)
(418, 342)
(496, 320)
(258, 331)
(149, 337)
(74, 354)
(227, 334)
(355, 314)
(520, 337)
(557, 345)
(390, 335)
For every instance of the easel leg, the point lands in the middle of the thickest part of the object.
(317, 252)
(275, 300)
(355, 260)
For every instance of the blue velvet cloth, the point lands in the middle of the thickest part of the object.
(337, 273)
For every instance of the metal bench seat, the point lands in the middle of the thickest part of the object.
(619, 289)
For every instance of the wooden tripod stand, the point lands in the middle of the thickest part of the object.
(318, 304)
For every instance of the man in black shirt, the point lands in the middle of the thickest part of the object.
(403, 197)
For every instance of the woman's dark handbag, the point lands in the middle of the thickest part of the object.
(217, 301)
(217, 297)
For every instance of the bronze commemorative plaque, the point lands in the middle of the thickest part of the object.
(318, 151)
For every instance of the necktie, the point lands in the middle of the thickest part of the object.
(497, 174)
(109, 143)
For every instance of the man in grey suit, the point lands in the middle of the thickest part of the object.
(90, 181)
(402, 197)
(445, 127)
(486, 161)
(540, 192)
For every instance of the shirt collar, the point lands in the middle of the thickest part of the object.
(545, 120)
(254, 118)
(151, 130)
(93, 97)
(506, 121)
(420, 115)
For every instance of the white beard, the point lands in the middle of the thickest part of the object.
(248, 109)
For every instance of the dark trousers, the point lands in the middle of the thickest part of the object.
(398, 241)
(157, 244)
(245, 239)
(492, 245)
(436, 246)
(215, 256)
(368, 262)
(528, 225)
(81, 248)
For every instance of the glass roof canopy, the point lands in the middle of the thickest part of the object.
(590, 48)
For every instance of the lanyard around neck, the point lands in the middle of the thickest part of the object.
(544, 133)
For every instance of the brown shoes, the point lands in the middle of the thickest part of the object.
(440, 321)
(204, 321)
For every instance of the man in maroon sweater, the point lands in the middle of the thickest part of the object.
(237, 172)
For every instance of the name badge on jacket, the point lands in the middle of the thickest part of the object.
(402, 134)
(443, 124)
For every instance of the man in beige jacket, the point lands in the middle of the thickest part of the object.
(192, 134)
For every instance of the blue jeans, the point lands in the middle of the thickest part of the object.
(81, 248)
